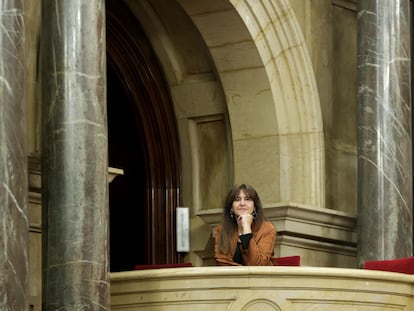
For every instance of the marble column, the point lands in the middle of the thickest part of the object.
(14, 227)
(385, 207)
(74, 156)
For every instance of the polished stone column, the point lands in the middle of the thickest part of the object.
(74, 155)
(14, 227)
(385, 207)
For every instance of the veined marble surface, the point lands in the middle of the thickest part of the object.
(384, 130)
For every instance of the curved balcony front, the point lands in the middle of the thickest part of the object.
(261, 288)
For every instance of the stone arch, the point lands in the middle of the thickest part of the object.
(280, 104)
(267, 87)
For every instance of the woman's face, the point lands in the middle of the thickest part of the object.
(243, 204)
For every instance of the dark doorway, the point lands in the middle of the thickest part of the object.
(143, 141)
(126, 191)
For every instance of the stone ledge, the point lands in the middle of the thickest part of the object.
(261, 288)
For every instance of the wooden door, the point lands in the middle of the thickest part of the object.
(143, 140)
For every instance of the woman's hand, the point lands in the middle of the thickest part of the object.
(245, 222)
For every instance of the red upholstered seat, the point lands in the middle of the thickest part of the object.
(401, 265)
(163, 265)
(286, 261)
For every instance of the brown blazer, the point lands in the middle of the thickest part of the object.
(260, 250)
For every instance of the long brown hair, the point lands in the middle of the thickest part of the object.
(229, 224)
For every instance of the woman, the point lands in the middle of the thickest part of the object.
(245, 237)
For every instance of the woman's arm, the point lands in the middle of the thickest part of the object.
(261, 246)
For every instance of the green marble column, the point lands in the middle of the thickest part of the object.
(385, 210)
(14, 227)
(74, 156)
